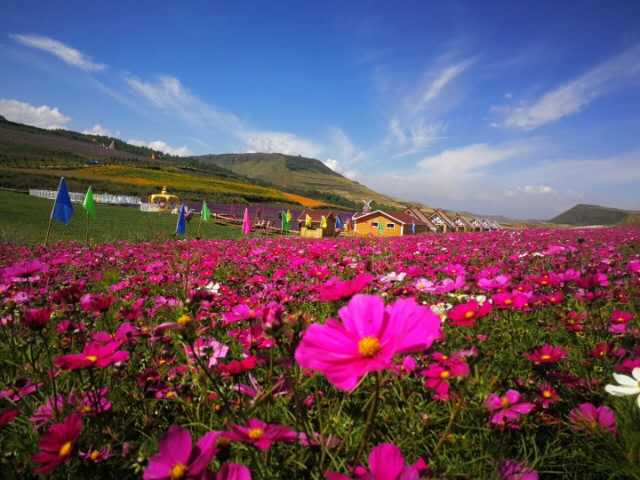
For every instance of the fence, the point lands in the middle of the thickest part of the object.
(78, 197)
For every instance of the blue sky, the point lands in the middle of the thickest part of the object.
(515, 108)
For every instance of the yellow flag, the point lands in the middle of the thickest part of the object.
(307, 221)
(323, 222)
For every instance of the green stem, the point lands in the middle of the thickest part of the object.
(371, 415)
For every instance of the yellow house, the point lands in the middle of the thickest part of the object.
(383, 224)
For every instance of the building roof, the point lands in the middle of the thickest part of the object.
(399, 217)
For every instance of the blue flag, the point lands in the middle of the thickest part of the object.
(62, 208)
(181, 227)
(413, 228)
(339, 223)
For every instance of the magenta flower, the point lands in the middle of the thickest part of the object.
(94, 354)
(233, 471)
(619, 320)
(588, 417)
(385, 463)
(37, 318)
(547, 354)
(367, 338)
(337, 289)
(56, 445)
(507, 409)
(466, 314)
(208, 350)
(548, 395)
(512, 470)
(177, 458)
(260, 434)
(438, 376)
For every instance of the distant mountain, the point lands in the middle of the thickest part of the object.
(584, 215)
(306, 176)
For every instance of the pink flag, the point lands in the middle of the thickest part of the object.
(246, 223)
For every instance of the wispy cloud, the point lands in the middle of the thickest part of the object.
(42, 116)
(168, 94)
(416, 124)
(436, 82)
(574, 96)
(98, 129)
(67, 54)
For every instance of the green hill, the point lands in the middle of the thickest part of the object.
(583, 215)
(32, 157)
(306, 176)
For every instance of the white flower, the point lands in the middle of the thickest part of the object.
(627, 385)
(393, 277)
(212, 287)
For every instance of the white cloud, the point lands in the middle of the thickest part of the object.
(98, 129)
(574, 96)
(67, 54)
(161, 146)
(42, 116)
(337, 167)
(436, 84)
(530, 190)
(471, 159)
(280, 142)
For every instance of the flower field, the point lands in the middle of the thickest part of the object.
(510, 355)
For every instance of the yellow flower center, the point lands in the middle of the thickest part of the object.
(184, 320)
(178, 471)
(92, 358)
(94, 455)
(508, 301)
(545, 357)
(504, 401)
(171, 394)
(547, 394)
(445, 374)
(469, 314)
(369, 346)
(65, 450)
(256, 433)
(87, 409)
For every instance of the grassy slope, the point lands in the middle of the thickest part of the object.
(34, 158)
(305, 175)
(582, 215)
(24, 219)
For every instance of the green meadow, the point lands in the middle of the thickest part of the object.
(24, 219)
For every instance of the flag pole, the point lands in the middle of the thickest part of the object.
(86, 234)
(46, 238)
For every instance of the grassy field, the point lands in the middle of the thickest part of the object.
(24, 219)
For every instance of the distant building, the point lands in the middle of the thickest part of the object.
(379, 223)
(442, 221)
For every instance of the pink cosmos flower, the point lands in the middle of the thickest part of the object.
(37, 318)
(96, 302)
(547, 354)
(208, 350)
(367, 338)
(385, 463)
(512, 470)
(56, 445)
(337, 289)
(94, 354)
(548, 395)
(495, 283)
(233, 471)
(588, 417)
(619, 320)
(507, 409)
(260, 434)
(466, 314)
(8, 416)
(177, 458)
(437, 376)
